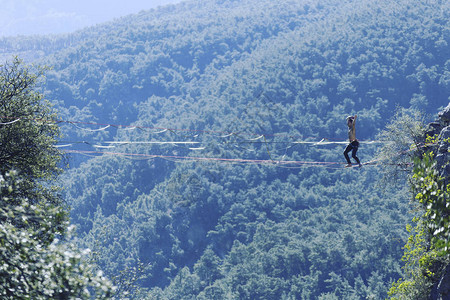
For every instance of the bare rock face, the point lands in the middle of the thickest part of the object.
(434, 128)
(441, 289)
(444, 116)
(444, 284)
(443, 154)
(441, 128)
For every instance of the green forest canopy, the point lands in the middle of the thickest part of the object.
(287, 69)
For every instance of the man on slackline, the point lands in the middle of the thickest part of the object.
(354, 144)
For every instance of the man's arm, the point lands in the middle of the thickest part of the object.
(354, 128)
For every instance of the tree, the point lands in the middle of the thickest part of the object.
(403, 139)
(433, 193)
(37, 261)
(427, 250)
(34, 263)
(27, 132)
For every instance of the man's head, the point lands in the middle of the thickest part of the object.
(350, 120)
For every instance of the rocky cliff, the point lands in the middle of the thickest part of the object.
(441, 129)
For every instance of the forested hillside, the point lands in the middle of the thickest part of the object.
(235, 86)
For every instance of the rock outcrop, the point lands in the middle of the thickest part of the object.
(441, 128)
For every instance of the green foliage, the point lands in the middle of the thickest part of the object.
(126, 283)
(37, 258)
(402, 138)
(420, 266)
(433, 193)
(281, 68)
(427, 248)
(287, 69)
(34, 262)
(27, 140)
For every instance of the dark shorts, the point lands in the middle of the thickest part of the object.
(353, 146)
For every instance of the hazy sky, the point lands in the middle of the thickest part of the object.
(25, 17)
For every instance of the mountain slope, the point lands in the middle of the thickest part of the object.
(246, 80)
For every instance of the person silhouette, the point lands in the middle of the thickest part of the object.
(354, 144)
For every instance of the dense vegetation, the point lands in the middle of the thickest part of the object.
(426, 252)
(279, 70)
(35, 263)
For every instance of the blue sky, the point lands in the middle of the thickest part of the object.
(26, 17)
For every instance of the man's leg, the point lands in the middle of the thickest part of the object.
(346, 151)
(355, 149)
